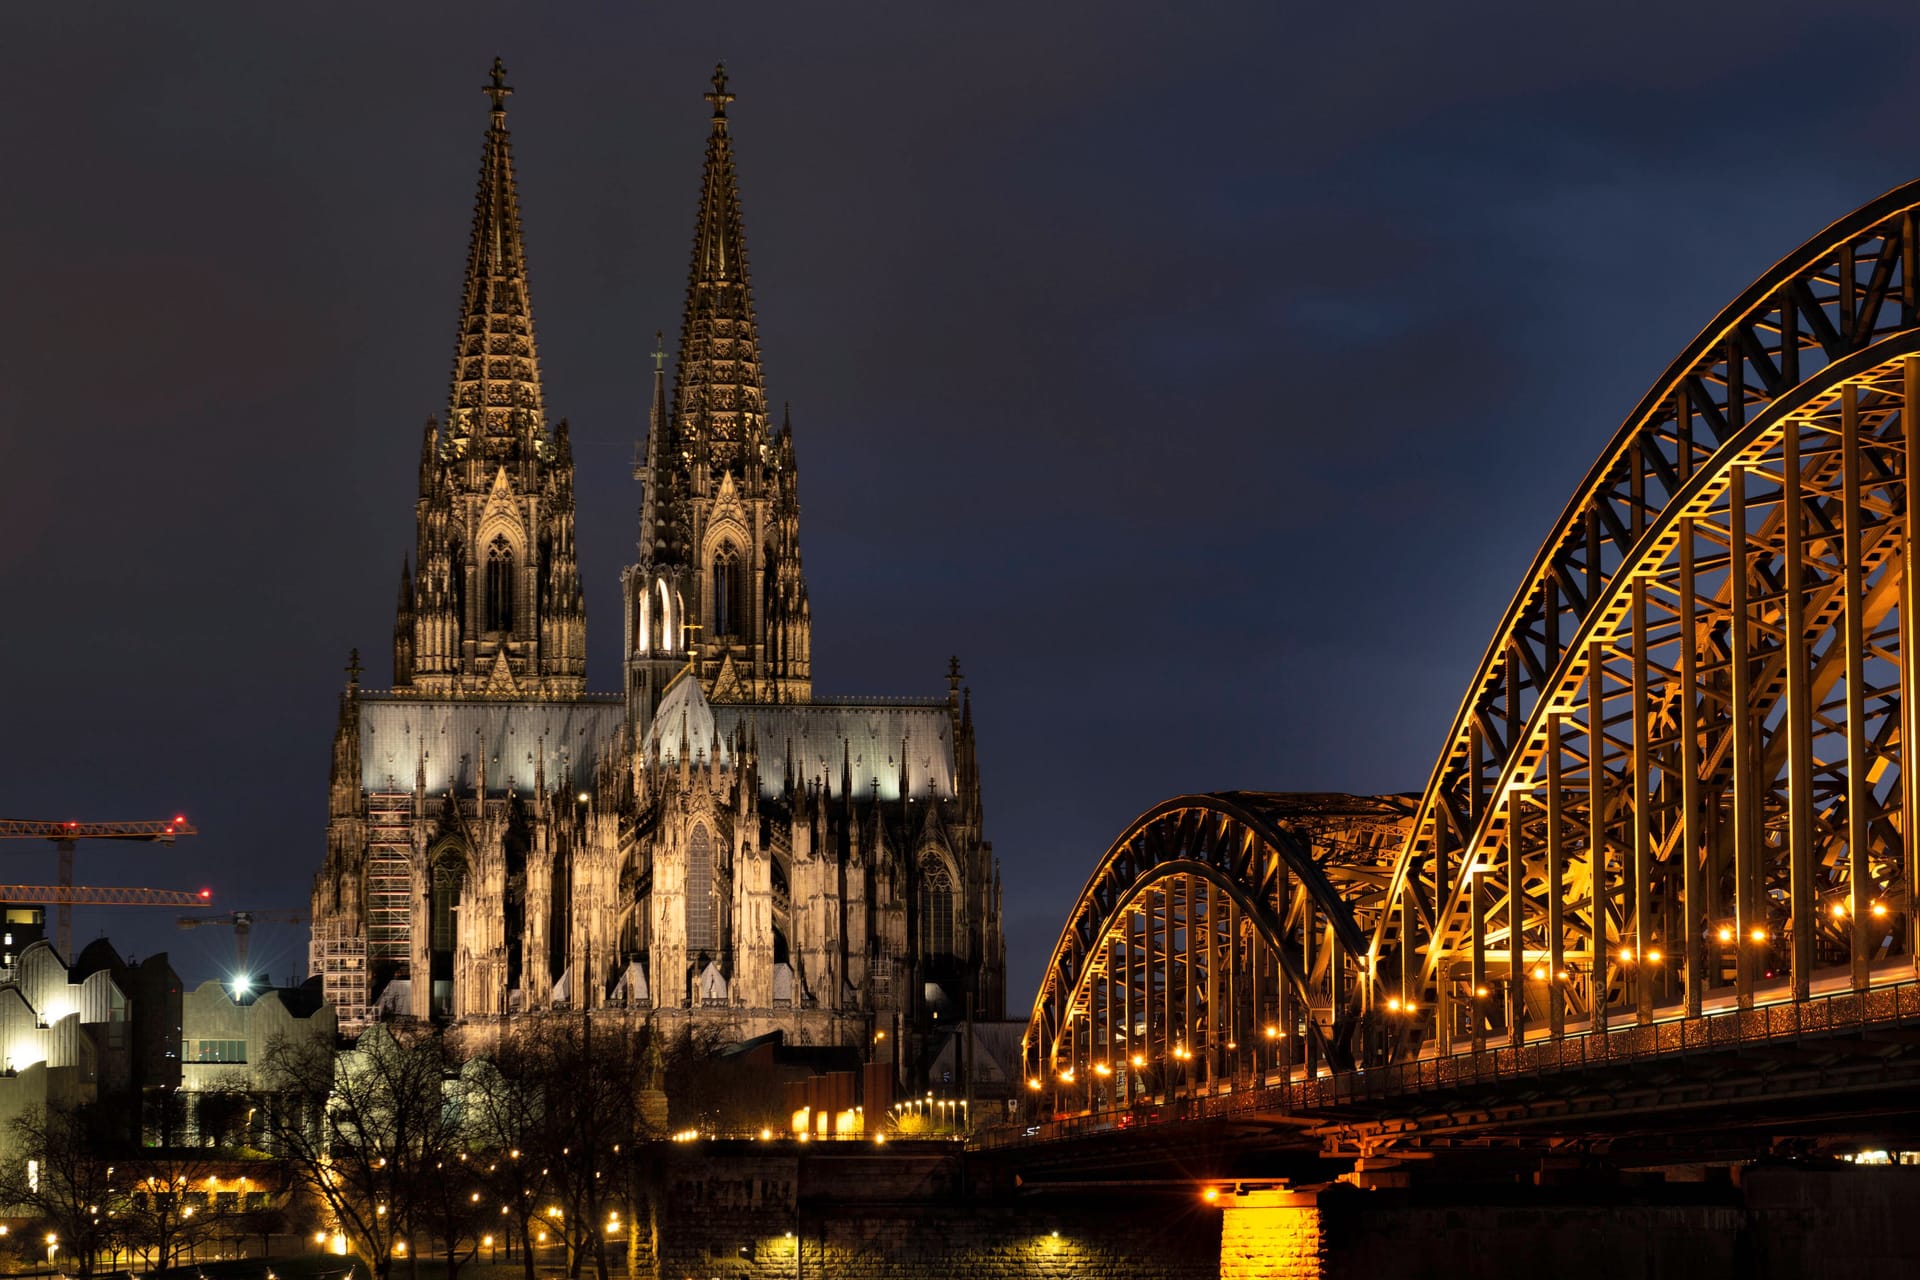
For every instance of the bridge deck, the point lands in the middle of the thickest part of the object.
(1425, 1093)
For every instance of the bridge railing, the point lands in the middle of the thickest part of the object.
(1842, 1011)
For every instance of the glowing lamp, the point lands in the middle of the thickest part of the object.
(1726, 933)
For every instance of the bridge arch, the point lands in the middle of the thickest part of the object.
(1678, 781)
(1712, 642)
(1219, 936)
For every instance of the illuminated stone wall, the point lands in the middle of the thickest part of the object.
(1271, 1235)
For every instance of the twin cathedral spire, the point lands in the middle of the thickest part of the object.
(491, 603)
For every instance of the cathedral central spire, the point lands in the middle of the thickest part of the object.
(720, 400)
(495, 398)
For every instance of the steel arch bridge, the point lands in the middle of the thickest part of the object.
(1676, 785)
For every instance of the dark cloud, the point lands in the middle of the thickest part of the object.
(1204, 375)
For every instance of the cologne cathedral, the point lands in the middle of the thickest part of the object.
(713, 846)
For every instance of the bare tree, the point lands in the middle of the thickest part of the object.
(448, 1210)
(62, 1174)
(369, 1135)
(565, 1096)
(505, 1101)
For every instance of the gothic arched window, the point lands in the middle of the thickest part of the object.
(699, 893)
(500, 585)
(936, 909)
(448, 880)
(727, 600)
(443, 931)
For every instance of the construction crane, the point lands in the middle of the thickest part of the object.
(64, 836)
(242, 923)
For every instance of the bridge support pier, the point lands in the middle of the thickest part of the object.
(1274, 1234)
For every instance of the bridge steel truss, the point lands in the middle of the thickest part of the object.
(1677, 776)
(1677, 783)
(1216, 941)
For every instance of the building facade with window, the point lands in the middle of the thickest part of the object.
(710, 846)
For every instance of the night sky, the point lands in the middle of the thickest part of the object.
(1204, 376)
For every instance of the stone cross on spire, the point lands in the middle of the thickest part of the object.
(499, 90)
(719, 97)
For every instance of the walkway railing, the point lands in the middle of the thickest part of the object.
(1886, 1005)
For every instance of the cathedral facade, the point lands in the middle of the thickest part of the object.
(713, 846)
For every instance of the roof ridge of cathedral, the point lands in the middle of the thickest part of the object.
(719, 387)
(495, 388)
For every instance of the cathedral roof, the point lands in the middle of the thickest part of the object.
(450, 741)
(871, 738)
(496, 370)
(683, 716)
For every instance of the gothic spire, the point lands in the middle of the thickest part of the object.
(655, 535)
(718, 388)
(496, 371)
